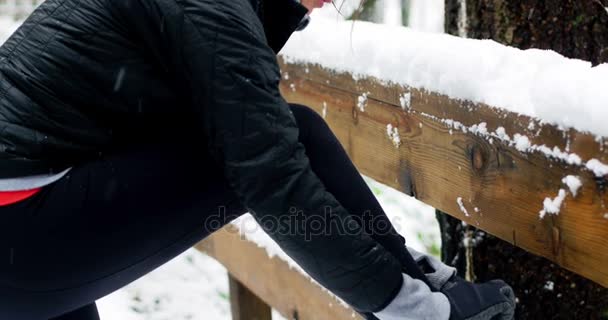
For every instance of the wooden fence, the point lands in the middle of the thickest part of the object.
(449, 154)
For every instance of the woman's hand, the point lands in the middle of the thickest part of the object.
(313, 4)
(493, 300)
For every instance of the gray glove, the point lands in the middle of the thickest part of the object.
(439, 273)
(494, 300)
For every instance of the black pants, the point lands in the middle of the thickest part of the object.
(111, 221)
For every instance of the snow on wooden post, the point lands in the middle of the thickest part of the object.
(532, 184)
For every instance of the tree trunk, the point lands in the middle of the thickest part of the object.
(575, 29)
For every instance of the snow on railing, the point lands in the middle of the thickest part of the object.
(538, 83)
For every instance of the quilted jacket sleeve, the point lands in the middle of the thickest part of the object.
(219, 52)
(280, 18)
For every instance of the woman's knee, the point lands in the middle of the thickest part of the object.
(308, 120)
(305, 113)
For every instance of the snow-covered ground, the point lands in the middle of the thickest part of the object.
(7, 27)
(191, 286)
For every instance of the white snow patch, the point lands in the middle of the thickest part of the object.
(362, 102)
(574, 158)
(7, 27)
(324, 111)
(393, 134)
(598, 168)
(570, 158)
(522, 143)
(479, 129)
(501, 133)
(574, 184)
(286, 76)
(553, 206)
(462, 207)
(191, 286)
(406, 101)
(118, 305)
(292, 87)
(451, 123)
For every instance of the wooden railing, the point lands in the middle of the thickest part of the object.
(258, 282)
(414, 141)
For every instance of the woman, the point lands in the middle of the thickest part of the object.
(128, 127)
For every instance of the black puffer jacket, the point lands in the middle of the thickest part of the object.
(83, 77)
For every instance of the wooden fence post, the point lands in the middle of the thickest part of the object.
(244, 304)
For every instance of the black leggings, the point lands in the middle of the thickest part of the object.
(113, 220)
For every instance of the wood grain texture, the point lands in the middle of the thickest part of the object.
(292, 294)
(502, 188)
(244, 304)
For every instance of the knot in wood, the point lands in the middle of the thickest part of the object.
(477, 157)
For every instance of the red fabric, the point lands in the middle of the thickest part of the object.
(10, 197)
